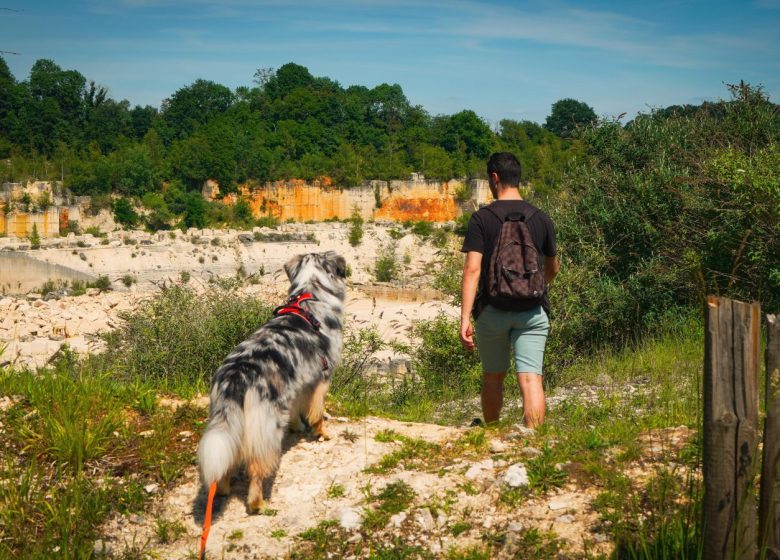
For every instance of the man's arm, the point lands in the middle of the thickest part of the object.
(471, 272)
(551, 267)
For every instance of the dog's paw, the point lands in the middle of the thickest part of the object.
(323, 436)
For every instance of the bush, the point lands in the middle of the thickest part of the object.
(179, 337)
(128, 280)
(124, 213)
(356, 231)
(663, 212)
(35, 238)
(386, 268)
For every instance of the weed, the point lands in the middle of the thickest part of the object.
(184, 276)
(168, 530)
(355, 235)
(543, 472)
(278, 534)
(386, 268)
(335, 490)
(459, 528)
(128, 280)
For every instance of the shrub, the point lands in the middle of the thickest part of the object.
(661, 213)
(35, 238)
(124, 213)
(439, 361)
(386, 267)
(179, 337)
(102, 283)
(423, 229)
(356, 231)
(128, 280)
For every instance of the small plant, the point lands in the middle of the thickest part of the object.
(386, 268)
(423, 229)
(184, 276)
(35, 238)
(128, 280)
(104, 241)
(102, 283)
(48, 287)
(278, 534)
(78, 288)
(543, 473)
(335, 490)
(355, 236)
(168, 530)
(95, 231)
(201, 259)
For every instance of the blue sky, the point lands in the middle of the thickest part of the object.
(502, 59)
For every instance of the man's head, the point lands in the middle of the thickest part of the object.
(506, 169)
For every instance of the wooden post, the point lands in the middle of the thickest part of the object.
(769, 508)
(730, 428)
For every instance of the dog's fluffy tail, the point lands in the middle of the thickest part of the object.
(220, 447)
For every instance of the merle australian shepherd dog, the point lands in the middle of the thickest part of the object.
(276, 377)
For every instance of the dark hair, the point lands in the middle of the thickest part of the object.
(507, 167)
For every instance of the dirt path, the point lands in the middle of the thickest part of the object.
(328, 480)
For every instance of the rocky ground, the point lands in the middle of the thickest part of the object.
(33, 327)
(456, 500)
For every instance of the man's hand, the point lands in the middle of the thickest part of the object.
(467, 335)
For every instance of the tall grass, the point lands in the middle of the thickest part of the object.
(178, 338)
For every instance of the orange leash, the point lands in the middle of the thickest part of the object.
(207, 521)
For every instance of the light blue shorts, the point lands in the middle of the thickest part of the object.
(524, 333)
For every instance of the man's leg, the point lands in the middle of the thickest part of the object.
(533, 398)
(492, 396)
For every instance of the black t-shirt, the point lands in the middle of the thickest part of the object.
(482, 234)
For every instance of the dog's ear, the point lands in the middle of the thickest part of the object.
(334, 263)
(291, 266)
(341, 266)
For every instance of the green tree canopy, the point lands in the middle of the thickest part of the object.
(567, 115)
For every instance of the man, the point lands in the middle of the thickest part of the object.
(519, 327)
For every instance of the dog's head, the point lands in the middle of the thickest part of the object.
(318, 272)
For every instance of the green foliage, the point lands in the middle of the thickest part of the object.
(35, 238)
(567, 115)
(356, 229)
(386, 267)
(124, 213)
(291, 125)
(178, 338)
(194, 211)
(660, 214)
(439, 360)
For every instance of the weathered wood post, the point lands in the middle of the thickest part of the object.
(769, 507)
(731, 352)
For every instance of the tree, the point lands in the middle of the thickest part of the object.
(195, 211)
(35, 238)
(567, 115)
(124, 213)
(194, 105)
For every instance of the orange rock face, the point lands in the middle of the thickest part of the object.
(300, 201)
(417, 209)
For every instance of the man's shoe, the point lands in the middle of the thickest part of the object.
(477, 423)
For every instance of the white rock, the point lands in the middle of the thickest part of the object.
(497, 446)
(566, 518)
(424, 519)
(516, 476)
(397, 519)
(480, 470)
(152, 488)
(350, 519)
(556, 505)
(530, 452)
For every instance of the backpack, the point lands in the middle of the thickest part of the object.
(514, 277)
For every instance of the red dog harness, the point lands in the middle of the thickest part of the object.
(293, 307)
